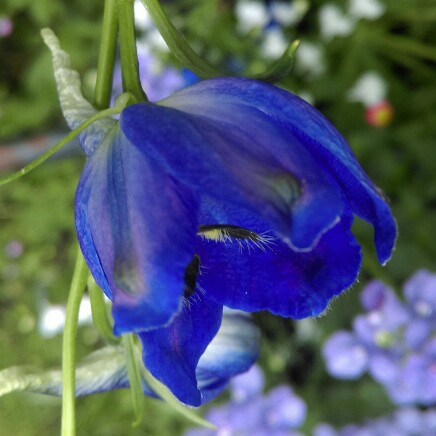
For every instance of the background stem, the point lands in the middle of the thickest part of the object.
(107, 55)
(69, 346)
(129, 57)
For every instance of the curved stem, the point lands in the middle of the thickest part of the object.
(134, 373)
(177, 43)
(107, 54)
(77, 289)
(119, 106)
(190, 59)
(100, 315)
(129, 57)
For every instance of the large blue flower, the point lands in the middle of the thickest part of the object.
(229, 193)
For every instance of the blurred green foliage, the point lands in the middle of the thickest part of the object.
(38, 212)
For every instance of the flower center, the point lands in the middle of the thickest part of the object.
(224, 232)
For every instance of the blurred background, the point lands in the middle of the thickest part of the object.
(368, 65)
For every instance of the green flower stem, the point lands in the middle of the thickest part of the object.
(177, 43)
(134, 373)
(190, 59)
(75, 295)
(119, 106)
(129, 57)
(99, 312)
(107, 54)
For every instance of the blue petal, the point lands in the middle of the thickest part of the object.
(172, 353)
(136, 228)
(274, 277)
(294, 118)
(233, 351)
(245, 159)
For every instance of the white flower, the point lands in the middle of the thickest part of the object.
(333, 22)
(289, 13)
(369, 9)
(52, 317)
(143, 20)
(309, 59)
(274, 44)
(251, 15)
(369, 89)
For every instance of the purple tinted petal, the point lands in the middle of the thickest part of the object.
(136, 230)
(232, 160)
(172, 353)
(275, 277)
(380, 327)
(383, 367)
(429, 421)
(420, 293)
(375, 295)
(305, 125)
(345, 356)
(283, 409)
(417, 332)
(410, 382)
(247, 385)
(324, 430)
(410, 420)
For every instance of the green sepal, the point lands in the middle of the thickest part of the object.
(282, 66)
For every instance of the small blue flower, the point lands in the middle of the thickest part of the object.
(249, 412)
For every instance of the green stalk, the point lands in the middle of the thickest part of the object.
(120, 104)
(190, 59)
(134, 373)
(177, 43)
(75, 295)
(107, 54)
(129, 57)
(100, 315)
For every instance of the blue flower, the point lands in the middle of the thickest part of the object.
(229, 193)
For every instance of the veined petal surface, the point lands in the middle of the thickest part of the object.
(223, 98)
(136, 226)
(234, 160)
(271, 276)
(172, 353)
